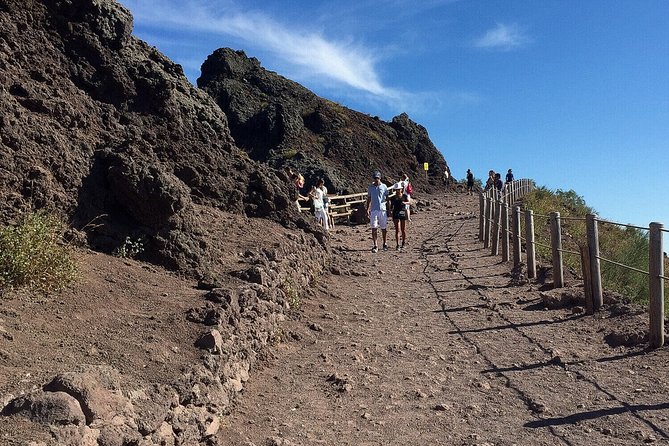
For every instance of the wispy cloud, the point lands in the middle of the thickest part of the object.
(343, 61)
(504, 37)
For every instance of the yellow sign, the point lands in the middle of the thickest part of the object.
(425, 166)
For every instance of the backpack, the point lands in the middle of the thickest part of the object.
(409, 189)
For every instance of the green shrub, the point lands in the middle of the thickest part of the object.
(130, 248)
(624, 245)
(33, 255)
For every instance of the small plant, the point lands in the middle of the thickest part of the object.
(292, 297)
(130, 248)
(289, 153)
(33, 255)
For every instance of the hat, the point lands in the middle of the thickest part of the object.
(376, 174)
(396, 186)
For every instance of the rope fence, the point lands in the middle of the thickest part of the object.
(500, 225)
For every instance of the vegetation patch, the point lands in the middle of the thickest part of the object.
(33, 254)
(617, 243)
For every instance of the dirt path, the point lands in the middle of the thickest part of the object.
(433, 345)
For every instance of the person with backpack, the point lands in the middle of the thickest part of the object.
(509, 176)
(470, 182)
(399, 214)
(408, 193)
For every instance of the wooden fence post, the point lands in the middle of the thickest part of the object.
(530, 251)
(516, 236)
(505, 232)
(593, 248)
(481, 215)
(656, 286)
(587, 279)
(486, 222)
(495, 226)
(556, 248)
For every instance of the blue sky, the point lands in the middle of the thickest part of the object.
(573, 94)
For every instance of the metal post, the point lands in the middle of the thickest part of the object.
(656, 286)
(556, 247)
(530, 251)
(593, 248)
(505, 233)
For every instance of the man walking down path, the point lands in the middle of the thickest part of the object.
(377, 194)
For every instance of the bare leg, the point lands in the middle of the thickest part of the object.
(397, 232)
(374, 235)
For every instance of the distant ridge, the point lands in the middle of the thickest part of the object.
(279, 122)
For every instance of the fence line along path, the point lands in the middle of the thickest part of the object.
(494, 224)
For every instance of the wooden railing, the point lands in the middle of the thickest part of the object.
(342, 206)
(494, 228)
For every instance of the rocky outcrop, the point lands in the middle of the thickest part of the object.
(280, 122)
(100, 126)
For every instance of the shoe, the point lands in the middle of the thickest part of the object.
(375, 249)
(402, 245)
(385, 247)
(397, 248)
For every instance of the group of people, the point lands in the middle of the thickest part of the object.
(495, 180)
(318, 194)
(394, 201)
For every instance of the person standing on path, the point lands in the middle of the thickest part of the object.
(377, 194)
(470, 182)
(408, 192)
(317, 195)
(399, 214)
(509, 176)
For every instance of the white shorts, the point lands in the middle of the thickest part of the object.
(378, 219)
(321, 214)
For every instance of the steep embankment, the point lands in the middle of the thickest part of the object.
(106, 131)
(282, 123)
(99, 125)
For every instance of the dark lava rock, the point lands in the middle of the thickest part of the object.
(103, 128)
(280, 122)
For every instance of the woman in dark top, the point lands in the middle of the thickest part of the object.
(399, 214)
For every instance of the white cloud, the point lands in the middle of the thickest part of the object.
(505, 37)
(342, 61)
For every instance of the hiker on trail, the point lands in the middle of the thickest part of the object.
(408, 193)
(446, 178)
(318, 196)
(399, 214)
(509, 176)
(470, 182)
(326, 204)
(499, 185)
(490, 183)
(377, 194)
(297, 181)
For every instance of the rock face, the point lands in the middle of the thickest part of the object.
(279, 122)
(104, 128)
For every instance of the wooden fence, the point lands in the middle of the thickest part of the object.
(342, 206)
(494, 229)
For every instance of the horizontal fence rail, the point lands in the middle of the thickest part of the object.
(500, 218)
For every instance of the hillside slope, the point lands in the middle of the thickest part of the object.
(100, 126)
(280, 122)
